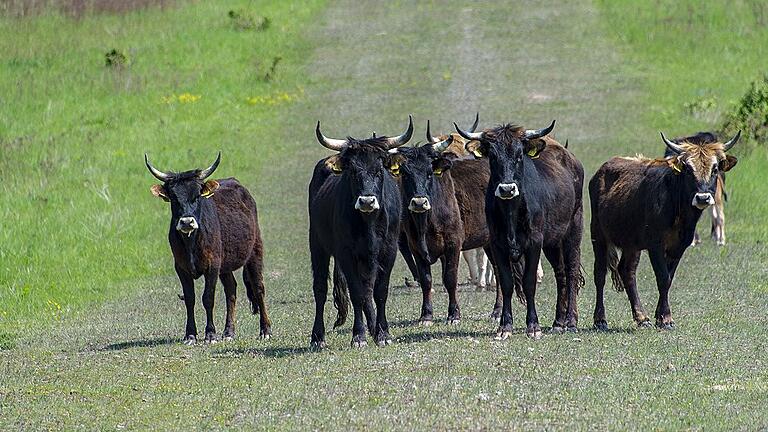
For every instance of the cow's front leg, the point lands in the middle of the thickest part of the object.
(208, 297)
(505, 278)
(664, 270)
(532, 256)
(425, 280)
(450, 262)
(188, 287)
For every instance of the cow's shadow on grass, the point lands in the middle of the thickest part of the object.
(140, 343)
(271, 352)
(447, 334)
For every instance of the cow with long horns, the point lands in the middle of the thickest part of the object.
(533, 202)
(651, 204)
(354, 217)
(444, 215)
(214, 231)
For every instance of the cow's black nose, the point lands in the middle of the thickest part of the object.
(367, 203)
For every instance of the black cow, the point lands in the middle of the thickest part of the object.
(354, 217)
(533, 202)
(214, 231)
(444, 215)
(651, 204)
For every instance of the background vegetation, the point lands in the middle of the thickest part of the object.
(89, 319)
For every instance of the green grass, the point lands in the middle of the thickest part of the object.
(77, 216)
(118, 363)
(705, 54)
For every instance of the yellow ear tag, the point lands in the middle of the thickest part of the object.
(395, 169)
(477, 153)
(533, 153)
(336, 168)
(207, 194)
(438, 172)
(677, 168)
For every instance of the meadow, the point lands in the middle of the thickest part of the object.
(89, 319)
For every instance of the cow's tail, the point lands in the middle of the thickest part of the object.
(580, 279)
(250, 293)
(340, 296)
(517, 279)
(613, 266)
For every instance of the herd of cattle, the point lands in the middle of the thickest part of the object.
(507, 191)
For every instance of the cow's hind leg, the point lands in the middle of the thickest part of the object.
(380, 295)
(230, 291)
(533, 329)
(555, 257)
(320, 262)
(600, 270)
(628, 273)
(574, 278)
(255, 285)
(188, 287)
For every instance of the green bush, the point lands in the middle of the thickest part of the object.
(750, 114)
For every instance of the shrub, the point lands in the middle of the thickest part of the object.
(750, 114)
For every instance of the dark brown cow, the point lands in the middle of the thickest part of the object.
(214, 231)
(717, 211)
(651, 204)
(533, 202)
(443, 213)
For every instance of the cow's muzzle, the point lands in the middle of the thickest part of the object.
(702, 200)
(187, 225)
(419, 205)
(507, 191)
(367, 203)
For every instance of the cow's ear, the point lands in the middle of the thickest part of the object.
(209, 188)
(676, 164)
(728, 163)
(475, 148)
(159, 191)
(441, 165)
(333, 163)
(393, 163)
(534, 147)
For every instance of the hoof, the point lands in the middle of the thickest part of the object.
(454, 321)
(211, 338)
(503, 335)
(495, 315)
(534, 334)
(666, 326)
(411, 284)
(572, 329)
(228, 338)
(359, 343)
(189, 340)
(265, 336)
(384, 342)
(317, 345)
(644, 324)
(601, 326)
(426, 323)
(556, 329)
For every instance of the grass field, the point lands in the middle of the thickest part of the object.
(80, 230)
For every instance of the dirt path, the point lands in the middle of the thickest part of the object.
(121, 366)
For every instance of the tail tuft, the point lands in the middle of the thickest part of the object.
(340, 296)
(517, 279)
(613, 266)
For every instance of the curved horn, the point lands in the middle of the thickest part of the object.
(440, 146)
(404, 138)
(373, 135)
(566, 143)
(672, 146)
(204, 174)
(467, 135)
(430, 138)
(329, 143)
(533, 133)
(163, 177)
(474, 125)
(727, 146)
